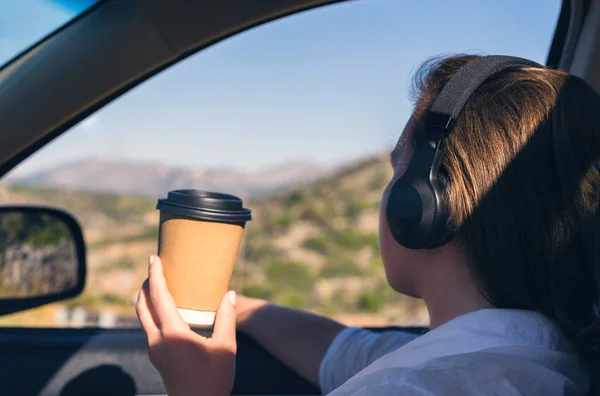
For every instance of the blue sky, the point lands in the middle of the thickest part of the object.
(326, 85)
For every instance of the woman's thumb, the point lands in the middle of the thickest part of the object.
(224, 331)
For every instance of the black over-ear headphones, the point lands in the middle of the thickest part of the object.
(416, 212)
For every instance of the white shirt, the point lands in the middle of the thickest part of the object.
(486, 352)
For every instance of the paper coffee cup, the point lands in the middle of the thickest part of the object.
(199, 238)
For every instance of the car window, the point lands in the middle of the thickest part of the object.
(297, 117)
(41, 18)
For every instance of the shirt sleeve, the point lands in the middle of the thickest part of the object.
(392, 389)
(352, 350)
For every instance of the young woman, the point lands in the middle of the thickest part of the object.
(512, 296)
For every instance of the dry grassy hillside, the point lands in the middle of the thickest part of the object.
(313, 247)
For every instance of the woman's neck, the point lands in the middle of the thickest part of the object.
(449, 291)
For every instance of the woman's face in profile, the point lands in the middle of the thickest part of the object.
(401, 264)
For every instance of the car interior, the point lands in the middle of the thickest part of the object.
(48, 88)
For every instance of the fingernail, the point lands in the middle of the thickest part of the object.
(151, 260)
(231, 297)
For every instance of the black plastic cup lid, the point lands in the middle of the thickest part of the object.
(205, 205)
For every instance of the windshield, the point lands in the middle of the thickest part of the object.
(42, 16)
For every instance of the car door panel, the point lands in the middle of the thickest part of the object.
(89, 361)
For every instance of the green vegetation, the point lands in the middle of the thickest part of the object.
(290, 299)
(113, 299)
(259, 250)
(317, 245)
(308, 248)
(350, 239)
(257, 291)
(49, 232)
(369, 301)
(337, 247)
(318, 212)
(356, 204)
(375, 267)
(147, 234)
(124, 263)
(35, 229)
(288, 275)
(294, 198)
(92, 301)
(276, 222)
(380, 180)
(340, 266)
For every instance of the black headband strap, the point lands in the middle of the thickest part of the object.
(452, 99)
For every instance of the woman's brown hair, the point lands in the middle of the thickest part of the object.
(523, 165)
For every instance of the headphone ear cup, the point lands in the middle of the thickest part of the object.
(404, 212)
(415, 213)
(440, 231)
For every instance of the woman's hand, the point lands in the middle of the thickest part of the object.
(188, 363)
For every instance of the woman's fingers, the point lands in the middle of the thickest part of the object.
(186, 361)
(158, 313)
(224, 330)
(144, 313)
(162, 302)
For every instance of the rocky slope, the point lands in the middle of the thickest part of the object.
(313, 246)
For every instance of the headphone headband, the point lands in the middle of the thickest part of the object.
(450, 102)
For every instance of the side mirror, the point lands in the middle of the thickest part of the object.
(42, 257)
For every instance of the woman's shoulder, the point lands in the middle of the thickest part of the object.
(475, 373)
(485, 352)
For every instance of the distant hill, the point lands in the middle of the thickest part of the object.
(154, 180)
(313, 246)
(316, 247)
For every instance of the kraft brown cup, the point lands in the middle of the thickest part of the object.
(199, 238)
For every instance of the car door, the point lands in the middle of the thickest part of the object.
(296, 115)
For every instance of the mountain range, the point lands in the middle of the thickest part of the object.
(154, 179)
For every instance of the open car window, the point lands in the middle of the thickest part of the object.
(297, 117)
